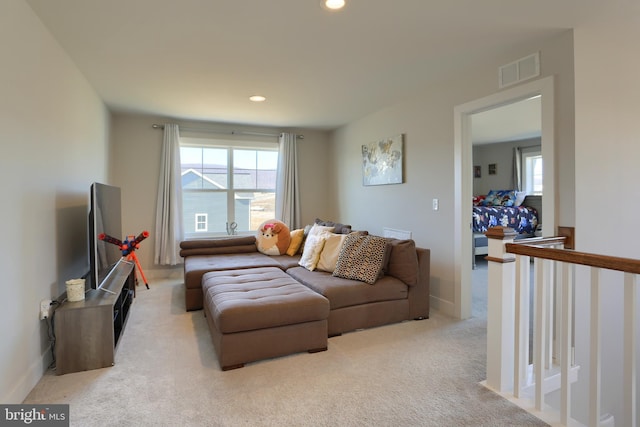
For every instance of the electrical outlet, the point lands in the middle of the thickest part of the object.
(45, 308)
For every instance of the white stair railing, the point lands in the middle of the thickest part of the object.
(509, 368)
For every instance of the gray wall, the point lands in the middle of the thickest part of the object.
(54, 144)
(500, 154)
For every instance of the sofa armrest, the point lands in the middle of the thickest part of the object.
(419, 295)
(225, 245)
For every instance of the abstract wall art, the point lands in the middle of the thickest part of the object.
(382, 161)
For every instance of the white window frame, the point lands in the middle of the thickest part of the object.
(204, 221)
(528, 154)
(229, 145)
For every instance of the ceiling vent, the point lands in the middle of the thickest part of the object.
(518, 71)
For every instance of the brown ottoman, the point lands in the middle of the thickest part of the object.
(260, 313)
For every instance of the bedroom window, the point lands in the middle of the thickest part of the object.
(532, 171)
(227, 188)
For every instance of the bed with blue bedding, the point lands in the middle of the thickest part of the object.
(523, 219)
(522, 216)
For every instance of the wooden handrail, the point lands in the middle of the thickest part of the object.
(627, 265)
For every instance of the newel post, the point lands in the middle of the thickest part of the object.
(500, 309)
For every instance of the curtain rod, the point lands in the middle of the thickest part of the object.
(232, 132)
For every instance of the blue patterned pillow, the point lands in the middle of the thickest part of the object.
(491, 199)
(500, 198)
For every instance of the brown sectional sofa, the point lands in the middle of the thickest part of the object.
(402, 293)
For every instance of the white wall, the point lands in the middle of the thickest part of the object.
(607, 175)
(54, 144)
(136, 167)
(427, 122)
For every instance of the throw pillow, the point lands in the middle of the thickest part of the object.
(507, 197)
(403, 261)
(477, 200)
(500, 198)
(297, 236)
(316, 230)
(361, 258)
(311, 254)
(273, 237)
(338, 227)
(330, 252)
(491, 199)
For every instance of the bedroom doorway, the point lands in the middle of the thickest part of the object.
(500, 136)
(463, 176)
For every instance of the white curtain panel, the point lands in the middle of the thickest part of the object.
(169, 229)
(516, 178)
(287, 187)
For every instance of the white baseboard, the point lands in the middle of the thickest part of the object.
(29, 379)
(165, 273)
(442, 306)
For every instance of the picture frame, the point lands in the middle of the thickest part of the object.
(477, 172)
(382, 161)
(493, 169)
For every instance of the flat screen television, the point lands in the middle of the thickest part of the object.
(105, 216)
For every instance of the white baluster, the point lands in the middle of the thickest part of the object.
(594, 351)
(521, 342)
(548, 312)
(630, 340)
(539, 330)
(565, 340)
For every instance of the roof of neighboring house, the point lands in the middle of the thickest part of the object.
(215, 177)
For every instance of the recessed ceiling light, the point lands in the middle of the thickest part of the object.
(257, 98)
(334, 4)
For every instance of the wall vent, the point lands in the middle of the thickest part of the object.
(392, 233)
(518, 71)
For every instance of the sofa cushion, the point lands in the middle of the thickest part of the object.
(195, 266)
(224, 245)
(346, 292)
(221, 242)
(258, 298)
(361, 258)
(287, 261)
(403, 261)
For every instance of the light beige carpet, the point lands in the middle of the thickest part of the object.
(417, 373)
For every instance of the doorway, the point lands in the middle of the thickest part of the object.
(499, 137)
(463, 177)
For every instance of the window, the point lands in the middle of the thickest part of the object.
(227, 185)
(201, 222)
(532, 170)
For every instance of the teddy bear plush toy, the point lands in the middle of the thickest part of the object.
(273, 237)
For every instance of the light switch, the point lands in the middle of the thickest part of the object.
(435, 204)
